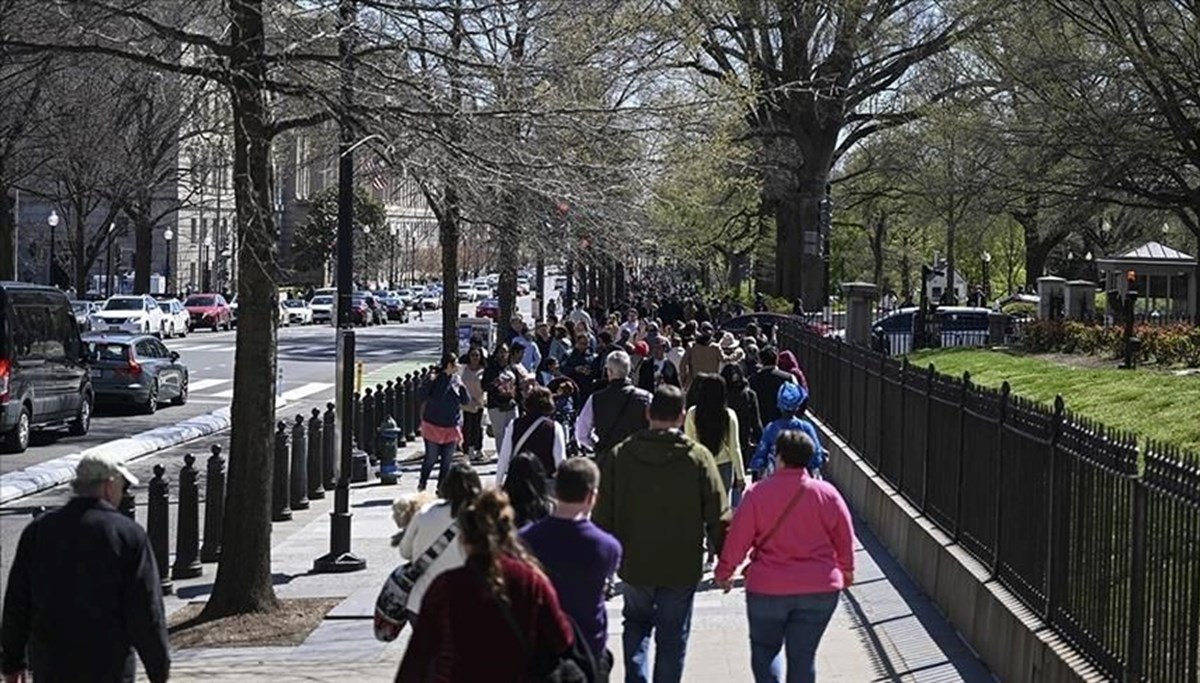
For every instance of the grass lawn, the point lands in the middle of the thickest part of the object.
(1148, 402)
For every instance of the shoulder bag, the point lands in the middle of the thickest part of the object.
(391, 607)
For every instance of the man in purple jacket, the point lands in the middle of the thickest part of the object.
(579, 556)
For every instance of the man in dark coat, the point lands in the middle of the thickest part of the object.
(83, 591)
(658, 369)
(766, 383)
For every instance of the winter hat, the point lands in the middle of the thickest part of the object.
(791, 396)
(641, 349)
(728, 342)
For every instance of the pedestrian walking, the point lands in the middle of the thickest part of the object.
(704, 356)
(527, 489)
(580, 367)
(460, 486)
(791, 401)
(661, 497)
(477, 618)
(500, 387)
(615, 412)
(744, 403)
(579, 557)
(787, 362)
(442, 396)
(83, 590)
(802, 538)
(657, 369)
(472, 378)
(766, 383)
(714, 424)
(535, 433)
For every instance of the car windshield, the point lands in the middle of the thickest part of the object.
(123, 305)
(322, 300)
(101, 351)
(80, 306)
(200, 301)
(165, 307)
(293, 303)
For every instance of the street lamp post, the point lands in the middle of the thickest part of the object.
(206, 261)
(168, 236)
(395, 231)
(108, 276)
(53, 221)
(987, 276)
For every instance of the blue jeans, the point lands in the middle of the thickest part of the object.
(665, 612)
(796, 622)
(441, 453)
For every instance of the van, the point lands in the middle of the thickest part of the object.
(44, 378)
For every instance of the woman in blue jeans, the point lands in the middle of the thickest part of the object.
(442, 396)
(803, 541)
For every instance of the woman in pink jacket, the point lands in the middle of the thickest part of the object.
(803, 541)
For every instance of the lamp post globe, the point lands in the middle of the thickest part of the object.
(168, 235)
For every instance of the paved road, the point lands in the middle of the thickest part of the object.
(306, 361)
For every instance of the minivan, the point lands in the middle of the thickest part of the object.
(44, 378)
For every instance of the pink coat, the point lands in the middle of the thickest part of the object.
(810, 550)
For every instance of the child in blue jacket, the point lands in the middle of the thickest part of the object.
(791, 400)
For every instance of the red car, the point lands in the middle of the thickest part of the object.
(488, 308)
(209, 310)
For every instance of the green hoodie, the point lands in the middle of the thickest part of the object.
(659, 492)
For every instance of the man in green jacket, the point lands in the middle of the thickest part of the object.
(659, 493)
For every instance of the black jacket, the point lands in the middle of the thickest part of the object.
(670, 374)
(766, 383)
(83, 590)
(618, 412)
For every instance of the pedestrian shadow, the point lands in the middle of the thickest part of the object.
(906, 636)
(205, 589)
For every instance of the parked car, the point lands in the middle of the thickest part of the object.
(83, 311)
(233, 309)
(179, 320)
(431, 300)
(488, 308)
(133, 313)
(378, 312)
(322, 307)
(360, 312)
(465, 291)
(210, 310)
(298, 311)
(948, 326)
(44, 381)
(135, 369)
(394, 307)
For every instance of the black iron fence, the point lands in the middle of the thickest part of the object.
(1101, 540)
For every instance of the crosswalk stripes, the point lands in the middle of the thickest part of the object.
(306, 390)
(203, 384)
(295, 394)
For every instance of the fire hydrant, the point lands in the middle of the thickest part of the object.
(389, 472)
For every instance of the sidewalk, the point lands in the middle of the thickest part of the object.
(884, 630)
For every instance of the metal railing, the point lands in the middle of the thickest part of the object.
(1101, 542)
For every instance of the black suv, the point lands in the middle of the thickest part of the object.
(44, 378)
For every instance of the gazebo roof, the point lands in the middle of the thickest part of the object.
(1153, 251)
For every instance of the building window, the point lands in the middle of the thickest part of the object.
(193, 229)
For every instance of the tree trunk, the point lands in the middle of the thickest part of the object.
(950, 294)
(8, 236)
(143, 255)
(878, 243)
(799, 269)
(243, 584)
(82, 262)
(508, 256)
(448, 235)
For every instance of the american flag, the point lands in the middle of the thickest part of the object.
(376, 173)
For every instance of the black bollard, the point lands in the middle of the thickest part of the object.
(316, 442)
(158, 510)
(356, 419)
(280, 512)
(128, 505)
(299, 471)
(412, 424)
(398, 412)
(389, 400)
(329, 432)
(380, 415)
(187, 533)
(214, 506)
(368, 417)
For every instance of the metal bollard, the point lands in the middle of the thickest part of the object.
(398, 412)
(389, 400)
(380, 416)
(187, 533)
(280, 512)
(158, 510)
(316, 442)
(128, 506)
(356, 419)
(368, 415)
(389, 473)
(413, 423)
(214, 506)
(329, 466)
(299, 478)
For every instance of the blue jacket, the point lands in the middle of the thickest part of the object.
(766, 445)
(443, 401)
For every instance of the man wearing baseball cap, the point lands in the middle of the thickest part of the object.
(83, 591)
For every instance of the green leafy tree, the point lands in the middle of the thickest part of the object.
(315, 241)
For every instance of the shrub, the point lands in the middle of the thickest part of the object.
(1043, 336)
(1165, 345)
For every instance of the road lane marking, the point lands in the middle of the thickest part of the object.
(306, 390)
(228, 393)
(206, 384)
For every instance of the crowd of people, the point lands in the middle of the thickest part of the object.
(635, 449)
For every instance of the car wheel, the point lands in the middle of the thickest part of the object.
(181, 399)
(83, 419)
(151, 404)
(17, 439)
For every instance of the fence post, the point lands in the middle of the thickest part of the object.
(903, 422)
(214, 506)
(316, 442)
(1054, 504)
(329, 450)
(187, 534)
(158, 509)
(367, 442)
(998, 480)
(880, 385)
(1136, 645)
(958, 449)
(299, 478)
(280, 512)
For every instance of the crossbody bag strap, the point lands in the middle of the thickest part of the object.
(528, 433)
(435, 550)
(779, 522)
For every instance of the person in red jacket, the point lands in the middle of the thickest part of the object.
(468, 630)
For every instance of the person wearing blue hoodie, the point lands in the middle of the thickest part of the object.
(791, 400)
(442, 396)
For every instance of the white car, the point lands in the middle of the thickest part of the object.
(465, 292)
(178, 321)
(480, 293)
(298, 311)
(137, 314)
(431, 301)
(322, 308)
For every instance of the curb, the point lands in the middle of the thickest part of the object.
(47, 475)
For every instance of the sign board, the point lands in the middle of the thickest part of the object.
(483, 328)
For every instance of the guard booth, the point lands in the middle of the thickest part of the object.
(484, 328)
(1166, 281)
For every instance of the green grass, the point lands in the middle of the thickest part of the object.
(1149, 403)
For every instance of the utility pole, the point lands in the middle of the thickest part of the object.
(340, 558)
